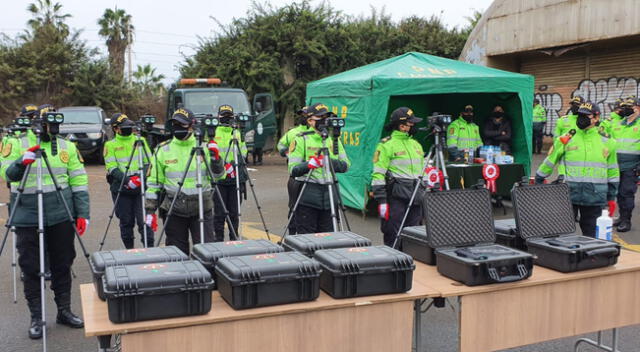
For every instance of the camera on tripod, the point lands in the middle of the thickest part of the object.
(147, 122)
(437, 120)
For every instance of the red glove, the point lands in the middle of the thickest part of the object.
(316, 162)
(30, 155)
(134, 182)
(228, 168)
(612, 207)
(383, 211)
(213, 148)
(152, 221)
(81, 225)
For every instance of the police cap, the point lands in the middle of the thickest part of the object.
(30, 110)
(183, 116)
(403, 115)
(225, 110)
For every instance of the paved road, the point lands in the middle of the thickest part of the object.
(439, 325)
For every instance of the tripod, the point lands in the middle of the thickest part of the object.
(435, 156)
(139, 147)
(329, 177)
(198, 153)
(237, 169)
(40, 157)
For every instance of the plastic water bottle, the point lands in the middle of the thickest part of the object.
(490, 155)
(603, 226)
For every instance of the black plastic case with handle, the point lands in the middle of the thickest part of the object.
(268, 279)
(545, 220)
(308, 243)
(210, 253)
(157, 291)
(100, 261)
(459, 225)
(364, 271)
(414, 242)
(507, 235)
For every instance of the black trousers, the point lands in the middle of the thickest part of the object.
(129, 212)
(256, 155)
(538, 133)
(397, 208)
(230, 199)
(588, 216)
(626, 193)
(312, 220)
(293, 190)
(58, 241)
(179, 227)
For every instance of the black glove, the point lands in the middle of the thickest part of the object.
(539, 180)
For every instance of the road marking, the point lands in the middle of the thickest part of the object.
(625, 244)
(254, 231)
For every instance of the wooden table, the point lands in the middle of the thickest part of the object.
(549, 305)
(374, 323)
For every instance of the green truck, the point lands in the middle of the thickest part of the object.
(205, 95)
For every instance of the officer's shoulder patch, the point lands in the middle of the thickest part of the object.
(452, 130)
(385, 139)
(376, 156)
(605, 152)
(6, 149)
(64, 156)
(105, 150)
(292, 146)
(1, 144)
(80, 155)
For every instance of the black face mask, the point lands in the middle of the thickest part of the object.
(498, 114)
(468, 117)
(125, 132)
(182, 133)
(574, 109)
(627, 112)
(413, 130)
(583, 121)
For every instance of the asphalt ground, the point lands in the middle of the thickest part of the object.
(439, 327)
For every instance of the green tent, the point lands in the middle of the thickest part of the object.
(367, 95)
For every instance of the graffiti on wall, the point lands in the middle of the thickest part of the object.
(603, 92)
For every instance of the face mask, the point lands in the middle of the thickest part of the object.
(413, 130)
(125, 132)
(574, 109)
(627, 112)
(468, 117)
(181, 133)
(498, 114)
(583, 121)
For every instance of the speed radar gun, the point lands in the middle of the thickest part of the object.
(435, 170)
(53, 120)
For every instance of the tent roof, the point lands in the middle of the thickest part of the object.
(420, 68)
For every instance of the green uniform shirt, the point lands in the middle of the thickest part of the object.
(285, 141)
(591, 167)
(565, 124)
(627, 137)
(462, 135)
(539, 114)
(68, 170)
(116, 158)
(400, 160)
(615, 118)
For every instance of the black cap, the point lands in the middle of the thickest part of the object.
(403, 115)
(577, 100)
(29, 110)
(318, 110)
(589, 109)
(44, 108)
(127, 123)
(183, 116)
(118, 118)
(303, 111)
(225, 110)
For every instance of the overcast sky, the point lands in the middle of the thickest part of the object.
(165, 30)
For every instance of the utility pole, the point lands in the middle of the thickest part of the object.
(129, 43)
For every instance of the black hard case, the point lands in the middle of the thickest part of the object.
(308, 243)
(545, 220)
(268, 279)
(364, 271)
(157, 291)
(459, 226)
(210, 253)
(414, 242)
(102, 260)
(506, 234)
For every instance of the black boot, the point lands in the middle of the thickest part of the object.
(35, 329)
(65, 316)
(624, 226)
(128, 243)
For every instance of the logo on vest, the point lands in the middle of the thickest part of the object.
(64, 156)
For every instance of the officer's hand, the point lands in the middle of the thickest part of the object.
(30, 155)
(133, 183)
(383, 211)
(612, 207)
(81, 225)
(316, 162)
(152, 221)
(228, 168)
(213, 148)
(539, 180)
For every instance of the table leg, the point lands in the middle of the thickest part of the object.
(599, 344)
(417, 324)
(104, 342)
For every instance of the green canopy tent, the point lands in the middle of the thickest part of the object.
(367, 95)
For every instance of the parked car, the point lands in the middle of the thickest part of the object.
(87, 127)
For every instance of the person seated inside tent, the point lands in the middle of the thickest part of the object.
(463, 135)
(497, 130)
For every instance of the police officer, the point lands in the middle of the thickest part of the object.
(227, 186)
(463, 134)
(616, 114)
(397, 163)
(627, 136)
(313, 214)
(568, 121)
(59, 233)
(539, 121)
(293, 186)
(591, 169)
(117, 153)
(168, 165)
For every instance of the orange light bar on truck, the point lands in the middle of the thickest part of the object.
(191, 81)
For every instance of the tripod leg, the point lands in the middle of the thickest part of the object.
(255, 198)
(200, 198)
(327, 172)
(236, 147)
(295, 207)
(145, 233)
(40, 198)
(12, 211)
(13, 266)
(216, 191)
(406, 213)
(341, 208)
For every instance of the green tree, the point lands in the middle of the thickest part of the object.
(46, 13)
(116, 28)
(146, 79)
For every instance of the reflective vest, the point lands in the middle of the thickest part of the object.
(462, 135)
(223, 138)
(627, 137)
(615, 118)
(116, 158)
(539, 114)
(398, 157)
(590, 167)
(285, 141)
(565, 124)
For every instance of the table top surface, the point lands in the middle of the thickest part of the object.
(96, 317)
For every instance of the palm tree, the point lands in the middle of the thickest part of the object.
(115, 26)
(47, 13)
(147, 79)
